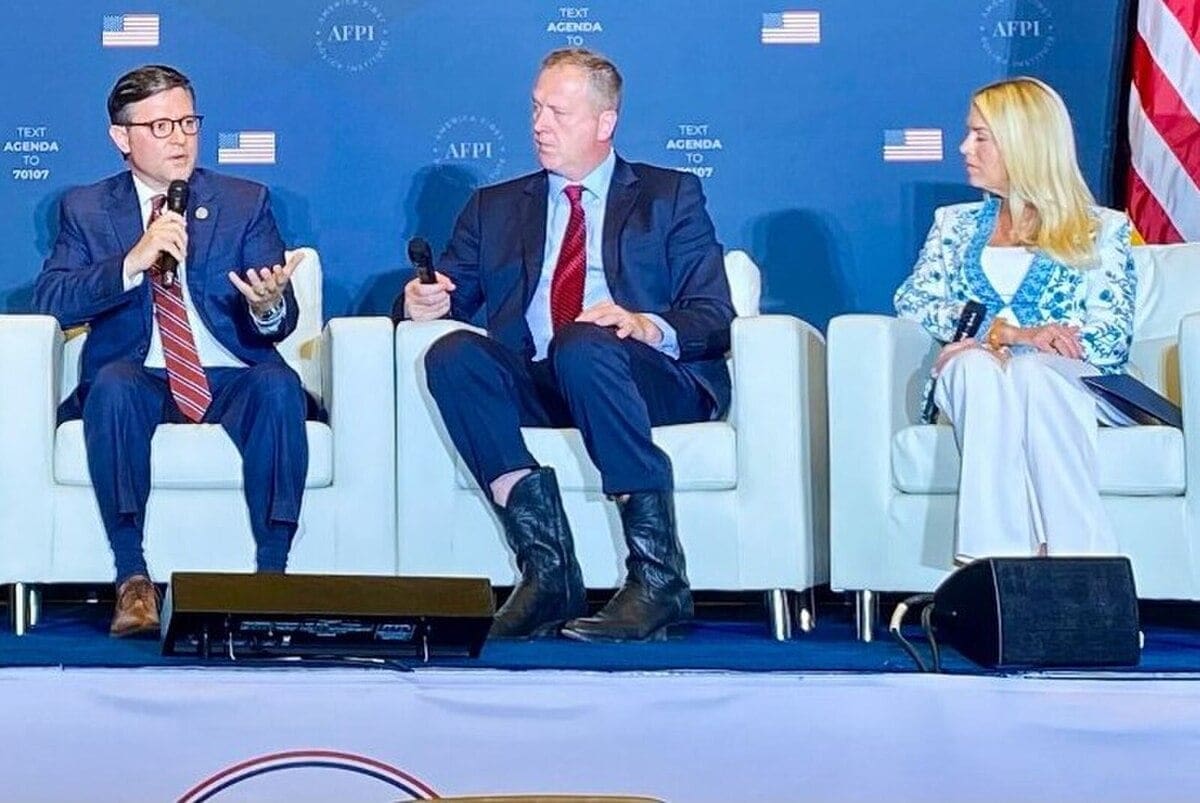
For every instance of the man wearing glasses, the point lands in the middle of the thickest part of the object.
(192, 345)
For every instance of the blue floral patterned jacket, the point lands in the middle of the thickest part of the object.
(1098, 299)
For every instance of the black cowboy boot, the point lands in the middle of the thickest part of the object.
(655, 593)
(550, 590)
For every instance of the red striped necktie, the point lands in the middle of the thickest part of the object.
(185, 376)
(566, 287)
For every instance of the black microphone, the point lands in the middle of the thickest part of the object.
(968, 325)
(177, 201)
(421, 257)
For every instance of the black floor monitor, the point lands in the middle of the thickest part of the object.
(1027, 612)
(215, 615)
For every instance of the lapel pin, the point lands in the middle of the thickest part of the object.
(201, 212)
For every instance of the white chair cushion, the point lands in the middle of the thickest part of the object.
(193, 456)
(703, 456)
(1134, 461)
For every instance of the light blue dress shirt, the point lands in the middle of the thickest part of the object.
(595, 284)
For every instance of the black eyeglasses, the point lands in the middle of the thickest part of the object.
(162, 127)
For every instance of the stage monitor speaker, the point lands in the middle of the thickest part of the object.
(333, 616)
(1029, 612)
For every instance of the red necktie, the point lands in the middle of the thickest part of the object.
(185, 377)
(566, 288)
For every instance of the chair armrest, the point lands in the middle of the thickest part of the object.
(1189, 393)
(779, 415)
(31, 353)
(877, 370)
(359, 394)
(878, 366)
(425, 457)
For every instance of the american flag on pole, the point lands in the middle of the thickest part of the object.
(912, 145)
(246, 148)
(1164, 122)
(791, 28)
(129, 30)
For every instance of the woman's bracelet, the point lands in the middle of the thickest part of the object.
(992, 341)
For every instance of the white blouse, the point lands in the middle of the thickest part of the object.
(1005, 268)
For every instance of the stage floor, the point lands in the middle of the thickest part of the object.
(728, 637)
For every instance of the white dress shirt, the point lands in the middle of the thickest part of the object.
(210, 351)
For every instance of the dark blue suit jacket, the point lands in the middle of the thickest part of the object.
(81, 281)
(660, 255)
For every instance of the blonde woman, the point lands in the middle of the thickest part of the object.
(1056, 275)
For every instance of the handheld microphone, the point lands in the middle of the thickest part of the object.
(421, 257)
(177, 201)
(968, 325)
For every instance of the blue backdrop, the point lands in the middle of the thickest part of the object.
(386, 113)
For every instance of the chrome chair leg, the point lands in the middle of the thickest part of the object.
(18, 606)
(866, 606)
(34, 604)
(779, 604)
(806, 610)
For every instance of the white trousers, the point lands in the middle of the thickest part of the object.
(1026, 434)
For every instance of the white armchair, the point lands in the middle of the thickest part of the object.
(750, 490)
(50, 528)
(893, 482)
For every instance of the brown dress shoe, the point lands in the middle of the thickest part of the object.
(137, 607)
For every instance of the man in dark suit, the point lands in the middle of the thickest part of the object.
(607, 309)
(190, 345)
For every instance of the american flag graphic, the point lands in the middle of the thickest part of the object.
(791, 28)
(912, 145)
(1164, 122)
(246, 148)
(129, 30)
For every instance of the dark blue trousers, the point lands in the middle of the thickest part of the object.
(263, 410)
(613, 390)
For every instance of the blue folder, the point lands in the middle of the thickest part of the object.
(1135, 399)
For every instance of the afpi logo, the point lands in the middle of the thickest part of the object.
(352, 35)
(1016, 34)
(310, 774)
(473, 142)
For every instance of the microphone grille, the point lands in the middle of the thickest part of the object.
(419, 252)
(177, 195)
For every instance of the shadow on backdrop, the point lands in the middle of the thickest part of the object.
(293, 215)
(803, 271)
(19, 299)
(435, 197)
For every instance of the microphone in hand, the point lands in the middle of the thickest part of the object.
(177, 201)
(428, 294)
(421, 257)
(968, 326)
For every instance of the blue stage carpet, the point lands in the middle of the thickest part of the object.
(76, 635)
